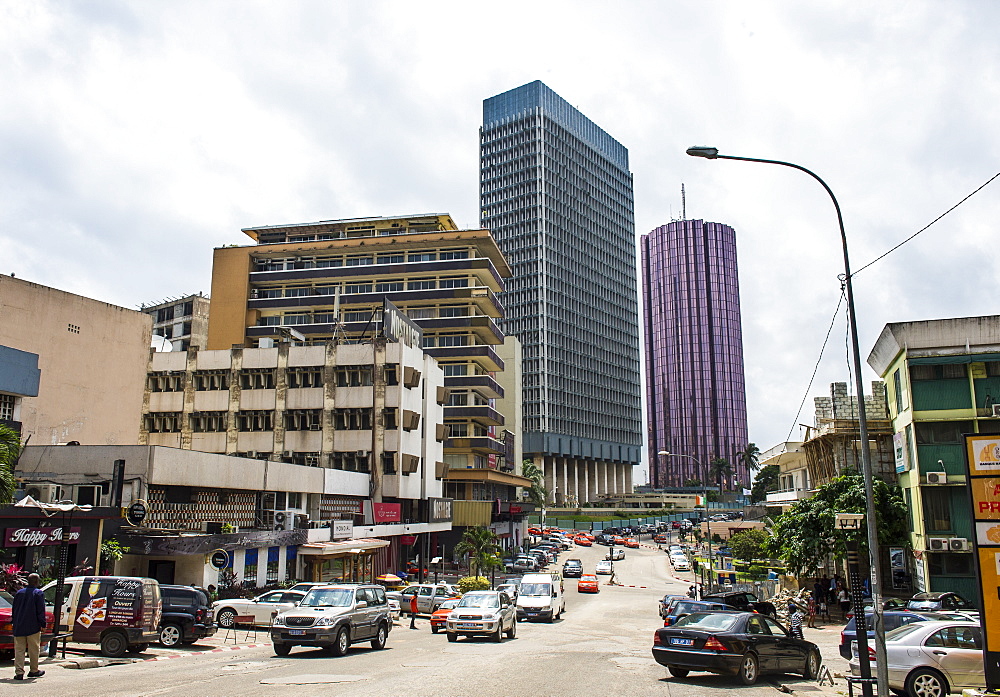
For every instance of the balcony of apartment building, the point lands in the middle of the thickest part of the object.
(787, 496)
(479, 413)
(485, 385)
(307, 269)
(483, 298)
(483, 445)
(485, 355)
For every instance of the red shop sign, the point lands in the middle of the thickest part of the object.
(387, 512)
(407, 540)
(36, 537)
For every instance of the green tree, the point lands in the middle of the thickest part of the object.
(807, 534)
(720, 470)
(10, 450)
(749, 457)
(537, 493)
(749, 545)
(765, 481)
(480, 544)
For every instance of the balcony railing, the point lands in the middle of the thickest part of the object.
(788, 495)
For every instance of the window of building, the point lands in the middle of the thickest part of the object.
(389, 463)
(303, 420)
(351, 461)
(294, 499)
(349, 419)
(391, 374)
(422, 256)
(421, 284)
(7, 407)
(453, 340)
(359, 260)
(255, 420)
(389, 413)
(897, 387)
(355, 288)
(298, 291)
(454, 282)
(421, 312)
(458, 399)
(453, 311)
(329, 262)
(257, 379)
(391, 258)
(388, 286)
(269, 321)
(164, 314)
(210, 380)
(459, 430)
(454, 254)
(187, 309)
(937, 509)
(296, 319)
(455, 369)
(209, 422)
(305, 376)
(354, 375)
(163, 422)
(166, 382)
(949, 564)
(941, 432)
(266, 292)
(937, 372)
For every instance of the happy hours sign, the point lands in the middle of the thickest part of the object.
(36, 537)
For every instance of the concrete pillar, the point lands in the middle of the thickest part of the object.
(549, 470)
(628, 479)
(574, 470)
(602, 477)
(585, 484)
(592, 481)
(564, 490)
(261, 567)
(622, 487)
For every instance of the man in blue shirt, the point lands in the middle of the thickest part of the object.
(28, 618)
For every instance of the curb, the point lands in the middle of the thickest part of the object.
(221, 649)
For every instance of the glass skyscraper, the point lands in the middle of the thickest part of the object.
(696, 397)
(556, 192)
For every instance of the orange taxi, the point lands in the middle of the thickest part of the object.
(661, 539)
(617, 540)
(584, 541)
(588, 584)
(632, 543)
(440, 616)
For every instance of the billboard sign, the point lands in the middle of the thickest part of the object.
(983, 474)
(400, 328)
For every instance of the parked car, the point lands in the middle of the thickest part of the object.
(525, 563)
(888, 604)
(306, 586)
(440, 616)
(667, 601)
(682, 565)
(741, 600)
(632, 543)
(939, 602)
(429, 596)
(510, 588)
(890, 620)
(932, 658)
(585, 542)
(334, 617)
(483, 613)
(588, 584)
(572, 568)
(262, 608)
(7, 629)
(660, 539)
(615, 554)
(602, 567)
(744, 644)
(186, 616)
(685, 607)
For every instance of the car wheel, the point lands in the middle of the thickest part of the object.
(282, 649)
(811, 670)
(226, 618)
(678, 672)
(171, 634)
(380, 637)
(925, 682)
(452, 636)
(434, 629)
(748, 669)
(114, 644)
(342, 643)
(512, 632)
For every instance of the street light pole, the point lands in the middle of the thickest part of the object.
(866, 464)
(708, 522)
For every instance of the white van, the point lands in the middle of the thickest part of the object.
(540, 596)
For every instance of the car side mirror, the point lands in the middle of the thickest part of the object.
(361, 604)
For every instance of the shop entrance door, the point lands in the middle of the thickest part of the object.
(162, 570)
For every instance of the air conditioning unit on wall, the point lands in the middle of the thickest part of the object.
(996, 410)
(937, 477)
(958, 544)
(938, 544)
(44, 493)
(284, 520)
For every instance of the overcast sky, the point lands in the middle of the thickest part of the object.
(137, 136)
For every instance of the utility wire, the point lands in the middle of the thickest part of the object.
(833, 320)
(883, 256)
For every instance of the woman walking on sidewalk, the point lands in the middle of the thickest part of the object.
(811, 611)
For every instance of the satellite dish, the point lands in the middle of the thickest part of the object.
(161, 344)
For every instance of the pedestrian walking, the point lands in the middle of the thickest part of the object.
(820, 588)
(413, 611)
(845, 603)
(811, 611)
(28, 620)
(824, 610)
(795, 620)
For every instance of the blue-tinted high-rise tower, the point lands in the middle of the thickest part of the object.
(556, 192)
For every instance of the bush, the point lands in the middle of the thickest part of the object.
(473, 583)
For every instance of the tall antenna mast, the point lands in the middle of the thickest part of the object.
(684, 210)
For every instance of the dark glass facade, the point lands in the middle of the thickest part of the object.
(556, 193)
(694, 350)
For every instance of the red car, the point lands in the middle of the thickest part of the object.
(440, 616)
(588, 584)
(584, 542)
(7, 629)
(632, 543)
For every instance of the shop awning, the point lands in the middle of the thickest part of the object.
(342, 547)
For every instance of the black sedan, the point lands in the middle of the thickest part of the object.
(745, 644)
(740, 600)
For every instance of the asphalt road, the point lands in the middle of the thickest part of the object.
(600, 647)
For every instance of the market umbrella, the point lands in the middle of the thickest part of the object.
(389, 578)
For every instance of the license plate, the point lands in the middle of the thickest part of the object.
(297, 632)
(681, 642)
(468, 626)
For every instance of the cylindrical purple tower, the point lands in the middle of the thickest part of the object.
(695, 387)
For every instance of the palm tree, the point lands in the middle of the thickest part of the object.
(481, 545)
(721, 470)
(10, 450)
(537, 493)
(750, 457)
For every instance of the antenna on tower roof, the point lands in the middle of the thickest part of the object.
(684, 213)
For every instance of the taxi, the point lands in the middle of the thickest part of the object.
(588, 584)
(632, 543)
(584, 541)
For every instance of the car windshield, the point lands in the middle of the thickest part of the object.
(328, 597)
(448, 604)
(923, 605)
(686, 608)
(5, 600)
(535, 589)
(483, 601)
(716, 622)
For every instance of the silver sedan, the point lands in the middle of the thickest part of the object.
(262, 608)
(932, 659)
